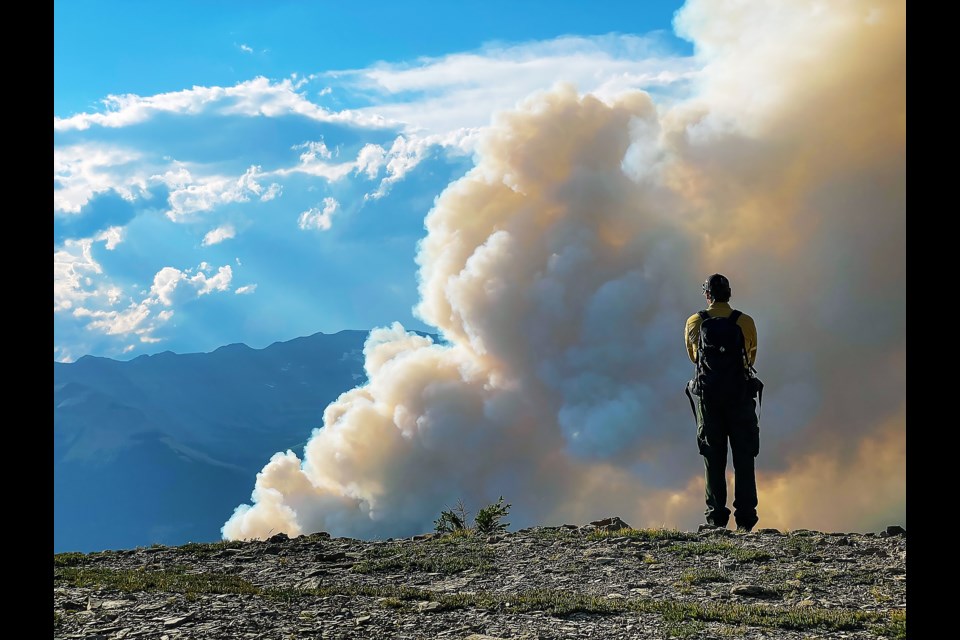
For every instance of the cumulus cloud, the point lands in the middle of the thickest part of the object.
(370, 159)
(246, 48)
(560, 271)
(165, 284)
(203, 194)
(317, 218)
(81, 171)
(460, 91)
(218, 282)
(218, 235)
(245, 289)
(82, 291)
(111, 237)
(73, 268)
(257, 97)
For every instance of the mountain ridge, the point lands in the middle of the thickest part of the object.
(161, 448)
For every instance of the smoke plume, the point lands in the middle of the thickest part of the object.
(561, 269)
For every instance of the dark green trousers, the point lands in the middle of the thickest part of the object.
(717, 424)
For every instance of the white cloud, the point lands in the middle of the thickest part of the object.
(370, 159)
(256, 97)
(84, 170)
(314, 161)
(77, 292)
(246, 48)
(245, 289)
(133, 319)
(439, 95)
(272, 192)
(219, 282)
(206, 193)
(112, 236)
(221, 233)
(316, 218)
(73, 266)
(165, 283)
(313, 150)
(176, 178)
(78, 277)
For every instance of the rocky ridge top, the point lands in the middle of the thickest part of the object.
(603, 580)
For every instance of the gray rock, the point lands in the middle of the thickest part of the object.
(278, 538)
(543, 560)
(177, 621)
(753, 591)
(362, 620)
(896, 530)
(613, 523)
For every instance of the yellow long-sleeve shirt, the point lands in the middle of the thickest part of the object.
(691, 334)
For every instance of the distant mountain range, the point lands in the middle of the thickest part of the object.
(160, 449)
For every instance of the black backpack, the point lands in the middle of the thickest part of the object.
(722, 371)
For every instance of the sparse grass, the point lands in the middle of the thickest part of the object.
(554, 533)
(693, 629)
(447, 555)
(682, 617)
(393, 603)
(69, 559)
(895, 627)
(455, 536)
(762, 615)
(880, 595)
(802, 544)
(727, 549)
(210, 548)
(704, 576)
(648, 535)
(649, 559)
(172, 580)
(811, 576)
(731, 631)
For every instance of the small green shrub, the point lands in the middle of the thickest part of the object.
(489, 518)
(451, 520)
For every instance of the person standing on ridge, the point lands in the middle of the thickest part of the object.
(722, 343)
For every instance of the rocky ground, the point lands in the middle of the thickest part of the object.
(595, 581)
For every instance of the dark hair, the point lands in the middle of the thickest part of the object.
(718, 287)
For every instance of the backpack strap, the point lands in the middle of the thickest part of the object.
(703, 314)
(735, 315)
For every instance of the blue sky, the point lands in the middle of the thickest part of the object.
(253, 172)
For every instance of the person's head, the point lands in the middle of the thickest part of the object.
(716, 288)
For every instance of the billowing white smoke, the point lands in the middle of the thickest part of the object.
(562, 267)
